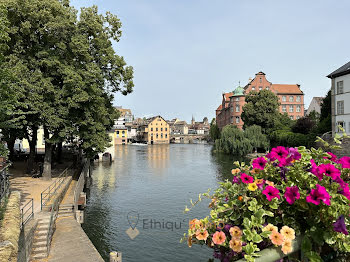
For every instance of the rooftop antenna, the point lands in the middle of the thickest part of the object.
(239, 83)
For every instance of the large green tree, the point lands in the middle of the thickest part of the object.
(214, 131)
(261, 109)
(67, 73)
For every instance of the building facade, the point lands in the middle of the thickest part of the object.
(291, 100)
(341, 99)
(315, 105)
(157, 131)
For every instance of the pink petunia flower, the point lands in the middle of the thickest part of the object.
(293, 151)
(344, 161)
(259, 163)
(282, 162)
(331, 157)
(315, 170)
(271, 192)
(291, 194)
(329, 170)
(279, 152)
(317, 195)
(246, 179)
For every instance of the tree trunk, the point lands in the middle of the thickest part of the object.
(48, 156)
(11, 145)
(59, 152)
(32, 146)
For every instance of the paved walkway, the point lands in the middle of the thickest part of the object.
(71, 244)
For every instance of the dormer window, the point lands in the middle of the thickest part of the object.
(253, 88)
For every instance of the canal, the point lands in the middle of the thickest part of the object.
(147, 187)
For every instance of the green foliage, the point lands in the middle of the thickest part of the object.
(325, 121)
(214, 131)
(290, 139)
(238, 142)
(3, 150)
(304, 125)
(261, 109)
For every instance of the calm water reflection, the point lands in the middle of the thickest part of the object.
(156, 182)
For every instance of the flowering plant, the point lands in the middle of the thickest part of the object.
(287, 196)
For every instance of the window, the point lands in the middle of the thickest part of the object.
(237, 108)
(157, 129)
(151, 128)
(237, 119)
(298, 98)
(291, 108)
(298, 108)
(284, 108)
(291, 98)
(298, 117)
(340, 87)
(260, 80)
(231, 109)
(166, 129)
(340, 107)
(267, 88)
(284, 98)
(161, 129)
(166, 135)
(237, 98)
(291, 117)
(156, 135)
(260, 88)
(123, 132)
(231, 119)
(117, 132)
(253, 88)
(161, 135)
(340, 125)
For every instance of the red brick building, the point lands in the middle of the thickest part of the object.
(290, 97)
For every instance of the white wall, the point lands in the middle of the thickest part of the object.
(314, 106)
(346, 98)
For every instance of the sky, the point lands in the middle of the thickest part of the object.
(186, 53)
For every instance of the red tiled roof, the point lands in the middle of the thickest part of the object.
(219, 108)
(286, 89)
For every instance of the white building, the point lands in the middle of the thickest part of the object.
(341, 98)
(315, 105)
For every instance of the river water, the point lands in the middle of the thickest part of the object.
(147, 187)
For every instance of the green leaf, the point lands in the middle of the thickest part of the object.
(313, 256)
(265, 234)
(306, 244)
(257, 238)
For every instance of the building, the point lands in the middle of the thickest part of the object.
(125, 114)
(315, 105)
(199, 128)
(120, 135)
(155, 131)
(178, 127)
(290, 97)
(340, 98)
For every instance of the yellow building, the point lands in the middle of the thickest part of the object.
(157, 131)
(40, 143)
(121, 136)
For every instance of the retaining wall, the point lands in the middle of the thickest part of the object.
(26, 241)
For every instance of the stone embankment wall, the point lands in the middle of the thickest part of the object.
(26, 241)
(10, 228)
(345, 147)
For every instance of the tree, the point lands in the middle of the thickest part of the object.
(256, 137)
(304, 125)
(66, 73)
(325, 122)
(214, 131)
(261, 109)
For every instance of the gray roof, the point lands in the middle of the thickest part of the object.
(344, 70)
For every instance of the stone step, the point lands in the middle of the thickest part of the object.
(42, 227)
(40, 233)
(65, 215)
(40, 238)
(41, 243)
(39, 250)
(35, 257)
(44, 221)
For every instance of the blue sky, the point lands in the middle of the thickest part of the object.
(185, 53)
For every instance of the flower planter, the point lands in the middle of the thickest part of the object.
(274, 253)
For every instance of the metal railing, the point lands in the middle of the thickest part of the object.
(27, 212)
(53, 216)
(52, 189)
(4, 183)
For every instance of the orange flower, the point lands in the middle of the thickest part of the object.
(236, 245)
(276, 238)
(255, 171)
(270, 228)
(240, 198)
(219, 238)
(195, 223)
(235, 232)
(287, 247)
(259, 181)
(288, 233)
(270, 183)
(202, 235)
(235, 171)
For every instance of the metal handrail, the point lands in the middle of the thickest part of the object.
(30, 208)
(4, 182)
(51, 190)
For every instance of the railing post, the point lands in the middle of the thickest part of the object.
(41, 207)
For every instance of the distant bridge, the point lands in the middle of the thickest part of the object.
(187, 139)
